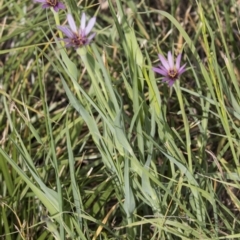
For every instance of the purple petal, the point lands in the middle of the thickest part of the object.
(178, 61)
(90, 25)
(69, 45)
(166, 80)
(56, 8)
(160, 71)
(67, 41)
(83, 23)
(66, 31)
(170, 60)
(163, 69)
(40, 1)
(71, 23)
(61, 6)
(90, 38)
(46, 5)
(163, 61)
(182, 69)
(170, 83)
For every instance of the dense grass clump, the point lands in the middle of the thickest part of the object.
(95, 145)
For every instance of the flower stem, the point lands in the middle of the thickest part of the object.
(56, 17)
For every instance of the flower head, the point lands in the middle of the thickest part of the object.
(78, 37)
(170, 71)
(51, 3)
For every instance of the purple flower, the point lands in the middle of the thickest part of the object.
(51, 3)
(170, 71)
(78, 37)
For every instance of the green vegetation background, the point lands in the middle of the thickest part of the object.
(94, 146)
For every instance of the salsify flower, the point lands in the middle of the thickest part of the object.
(168, 70)
(78, 37)
(51, 3)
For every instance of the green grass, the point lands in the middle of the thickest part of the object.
(94, 146)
